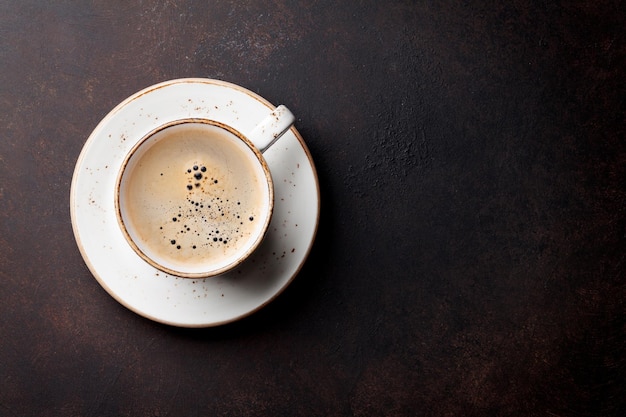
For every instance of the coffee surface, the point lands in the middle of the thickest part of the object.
(193, 196)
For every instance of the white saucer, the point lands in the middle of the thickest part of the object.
(182, 301)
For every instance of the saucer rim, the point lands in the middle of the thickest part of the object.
(96, 133)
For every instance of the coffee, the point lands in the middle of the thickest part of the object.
(194, 197)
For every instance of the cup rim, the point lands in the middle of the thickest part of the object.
(249, 249)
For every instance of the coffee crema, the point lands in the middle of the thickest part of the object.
(194, 198)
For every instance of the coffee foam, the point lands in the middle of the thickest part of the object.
(194, 198)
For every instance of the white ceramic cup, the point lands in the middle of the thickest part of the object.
(194, 197)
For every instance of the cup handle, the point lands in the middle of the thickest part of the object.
(270, 129)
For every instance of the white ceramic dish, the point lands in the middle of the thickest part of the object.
(182, 301)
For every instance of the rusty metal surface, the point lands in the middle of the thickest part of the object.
(470, 256)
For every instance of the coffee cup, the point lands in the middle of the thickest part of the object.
(194, 197)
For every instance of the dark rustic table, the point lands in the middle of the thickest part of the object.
(470, 257)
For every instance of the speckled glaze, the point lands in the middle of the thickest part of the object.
(169, 298)
(217, 243)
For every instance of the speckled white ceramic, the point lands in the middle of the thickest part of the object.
(151, 213)
(167, 298)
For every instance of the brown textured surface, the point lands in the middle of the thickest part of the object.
(470, 257)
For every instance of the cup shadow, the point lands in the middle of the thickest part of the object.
(290, 305)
